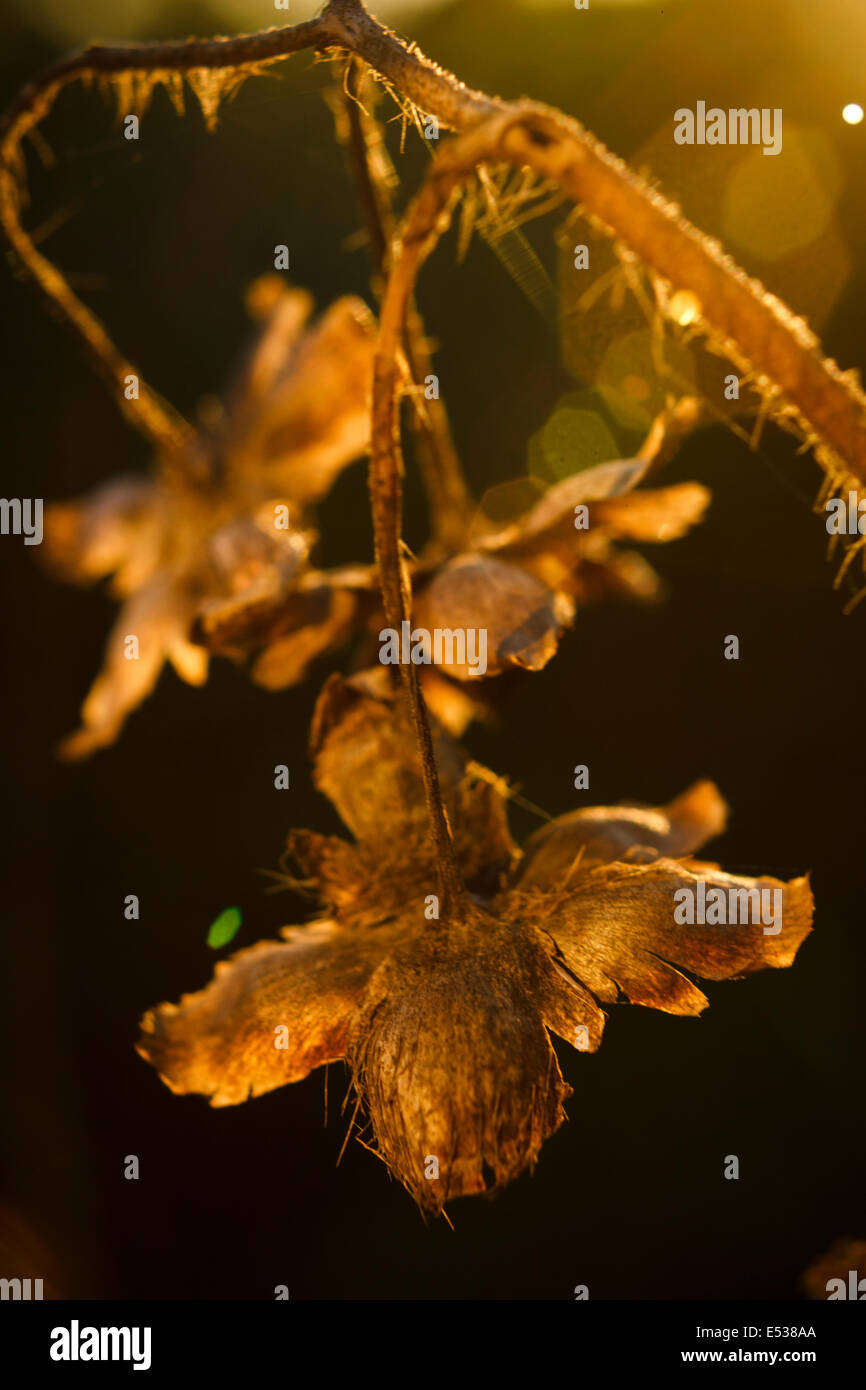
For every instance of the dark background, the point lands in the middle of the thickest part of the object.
(629, 1196)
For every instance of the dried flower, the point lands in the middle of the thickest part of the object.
(519, 583)
(445, 1020)
(221, 534)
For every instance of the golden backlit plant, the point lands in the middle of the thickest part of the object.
(446, 956)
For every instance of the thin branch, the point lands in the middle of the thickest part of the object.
(753, 327)
(147, 412)
(372, 170)
(448, 496)
(748, 323)
(337, 27)
(386, 497)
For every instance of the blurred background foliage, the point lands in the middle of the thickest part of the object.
(161, 238)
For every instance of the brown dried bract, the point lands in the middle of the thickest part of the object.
(215, 538)
(446, 1021)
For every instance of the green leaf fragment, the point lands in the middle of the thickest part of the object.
(224, 928)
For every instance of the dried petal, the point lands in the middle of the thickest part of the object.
(116, 530)
(653, 514)
(367, 759)
(283, 312)
(270, 1015)
(331, 600)
(615, 928)
(367, 763)
(615, 574)
(286, 661)
(553, 515)
(158, 620)
(522, 618)
(315, 417)
(599, 834)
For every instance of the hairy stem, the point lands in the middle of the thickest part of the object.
(386, 493)
(758, 331)
(448, 495)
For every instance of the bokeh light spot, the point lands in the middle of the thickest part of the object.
(637, 373)
(505, 502)
(573, 438)
(636, 388)
(774, 206)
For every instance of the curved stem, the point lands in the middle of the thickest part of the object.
(148, 413)
(750, 325)
(448, 496)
